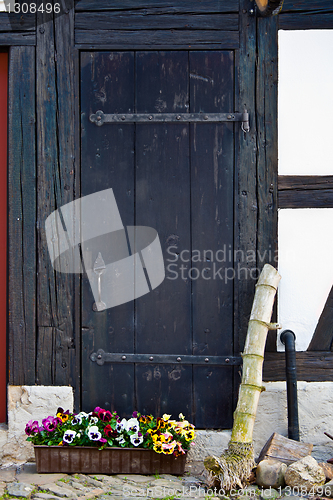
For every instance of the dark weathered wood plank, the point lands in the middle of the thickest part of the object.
(267, 78)
(133, 20)
(245, 227)
(96, 38)
(166, 5)
(212, 173)
(306, 20)
(307, 198)
(306, 5)
(312, 366)
(15, 38)
(45, 356)
(304, 182)
(107, 82)
(266, 91)
(14, 22)
(56, 180)
(323, 334)
(163, 316)
(22, 216)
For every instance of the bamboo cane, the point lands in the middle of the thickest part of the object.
(234, 466)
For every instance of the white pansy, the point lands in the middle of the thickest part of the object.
(69, 436)
(136, 439)
(93, 433)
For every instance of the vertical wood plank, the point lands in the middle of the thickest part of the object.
(3, 230)
(107, 83)
(212, 213)
(56, 181)
(22, 216)
(267, 168)
(245, 176)
(163, 202)
(245, 226)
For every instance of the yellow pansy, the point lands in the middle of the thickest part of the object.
(158, 447)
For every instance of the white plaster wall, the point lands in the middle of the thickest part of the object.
(305, 149)
(315, 407)
(26, 403)
(306, 267)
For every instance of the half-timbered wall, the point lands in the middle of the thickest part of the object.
(44, 156)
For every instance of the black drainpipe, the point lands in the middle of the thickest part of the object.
(288, 339)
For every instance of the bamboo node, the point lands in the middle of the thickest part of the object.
(251, 354)
(270, 326)
(257, 387)
(266, 284)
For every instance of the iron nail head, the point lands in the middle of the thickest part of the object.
(151, 358)
(123, 358)
(227, 360)
(206, 360)
(179, 359)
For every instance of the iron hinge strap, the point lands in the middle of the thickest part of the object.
(99, 118)
(101, 357)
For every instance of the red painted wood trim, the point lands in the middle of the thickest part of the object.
(3, 231)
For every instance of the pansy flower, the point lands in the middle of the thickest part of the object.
(32, 427)
(158, 447)
(63, 415)
(132, 425)
(109, 432)
(136, 439)
(93, 433)
(77, 419)
(121, 425)
(160, 423)
(189, 435)
(168, 448)
(69, 436)
(93, 420)
(105, 415)
(50, 423)
(121, 440)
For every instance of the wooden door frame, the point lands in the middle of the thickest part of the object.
(3, 231)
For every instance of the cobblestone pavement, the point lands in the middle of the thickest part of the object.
(24, 482)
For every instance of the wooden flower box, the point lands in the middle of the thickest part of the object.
(84, 459)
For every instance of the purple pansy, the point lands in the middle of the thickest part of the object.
(32, 427)
(51, 423)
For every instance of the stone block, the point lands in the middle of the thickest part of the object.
(305, 473)
(270, 473)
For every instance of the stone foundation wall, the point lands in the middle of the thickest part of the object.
(315, 402)
(315, 408)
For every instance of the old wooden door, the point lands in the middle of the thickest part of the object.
(177, 178)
